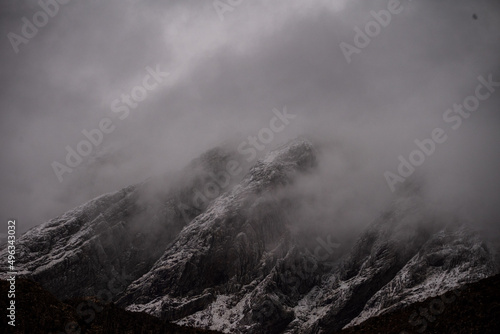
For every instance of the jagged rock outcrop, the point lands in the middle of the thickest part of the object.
(237, 241)
(405, 256)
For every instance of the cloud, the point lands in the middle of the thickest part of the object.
(226, 78)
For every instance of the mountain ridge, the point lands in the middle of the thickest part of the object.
(237, 264)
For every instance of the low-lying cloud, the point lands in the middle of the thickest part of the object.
(225, 79)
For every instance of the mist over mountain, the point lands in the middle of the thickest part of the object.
(258, 166)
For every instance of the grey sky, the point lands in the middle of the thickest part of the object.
(225, 79)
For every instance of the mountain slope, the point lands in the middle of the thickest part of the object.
(231, 246)
(473, 308)
(108, 242)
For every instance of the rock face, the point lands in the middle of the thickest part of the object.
(404, 257)
(234, 263)
(232, 247)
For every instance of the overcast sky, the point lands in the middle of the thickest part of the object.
(227, 71)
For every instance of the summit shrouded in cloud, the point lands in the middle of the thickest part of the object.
(283, 166)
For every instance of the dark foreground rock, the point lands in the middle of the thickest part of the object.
(38, 311)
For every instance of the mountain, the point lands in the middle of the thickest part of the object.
(222, 253)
